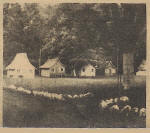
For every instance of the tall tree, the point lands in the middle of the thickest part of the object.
(77, 30)
(74, 29)
(126, 23)
(22, 31)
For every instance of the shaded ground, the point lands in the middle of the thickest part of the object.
(21, 110)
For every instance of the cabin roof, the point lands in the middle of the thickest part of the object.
(50, 62)
(20, 61)
(86, 66)
(109, 64)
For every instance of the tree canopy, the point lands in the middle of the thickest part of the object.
(75, 32)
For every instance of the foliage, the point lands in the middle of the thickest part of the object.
(87, 32)
(22, 31)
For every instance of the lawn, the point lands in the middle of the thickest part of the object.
(69, 85)
(22, 110)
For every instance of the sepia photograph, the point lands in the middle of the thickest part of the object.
(74, 65)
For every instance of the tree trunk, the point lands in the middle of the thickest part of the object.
(128, 69)
(40, 61)
(74, 73)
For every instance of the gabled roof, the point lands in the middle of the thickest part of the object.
(86, 65)
(109, 64)
(20, 61)
(50, 62)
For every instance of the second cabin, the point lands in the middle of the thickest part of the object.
(110, 69)
(87, 71)
(52, 68)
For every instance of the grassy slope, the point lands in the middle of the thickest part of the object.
(28, 111)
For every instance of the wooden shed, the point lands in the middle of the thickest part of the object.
(110, 69)
(20, 67)
(52, 68)
(87, 71)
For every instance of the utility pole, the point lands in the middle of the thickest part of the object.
(118, 71)
(119, 53)
(117, 67)
(40, 59)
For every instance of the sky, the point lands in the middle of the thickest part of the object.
(42, 7)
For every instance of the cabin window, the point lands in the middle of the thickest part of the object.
(11, 76)
(62, 69)
(53, 70)
(83, 69)
(92, 70)
(20, 76)
(12, 69)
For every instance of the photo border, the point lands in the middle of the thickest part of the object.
(79, 130)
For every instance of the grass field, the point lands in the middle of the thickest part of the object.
(69, 85)
(22, 110)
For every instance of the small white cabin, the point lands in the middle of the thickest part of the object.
(110, 69)
(52, 67)
(87, 71)
(20, 67)
(142, 69)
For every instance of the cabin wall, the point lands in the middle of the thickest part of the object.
(87, 71)
(45, 72)
(110, 71)
(57, 69)
(22, 73)
(141, 73)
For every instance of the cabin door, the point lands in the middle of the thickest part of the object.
(45, 73)
(109, 71)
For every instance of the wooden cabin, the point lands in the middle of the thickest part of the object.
(20, 67)
(52, 68)
(87, 71)
(110, 69)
